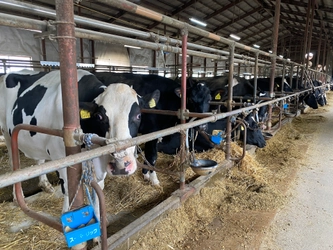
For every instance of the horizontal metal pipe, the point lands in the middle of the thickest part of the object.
(22, 22)
(141, 11)
(89, 22)
(26, 23)
(34, 171)
(94, 35)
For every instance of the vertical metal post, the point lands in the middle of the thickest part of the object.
(184, 33)
(230, 95)
(255, 77)
(215, 68)
(324, 53)
(68, 72)
(305, 40)
(310, 33)
(319, 46)
(93, 60)
(283, 75)
(205, 67)
(43, 51)
(273, 59)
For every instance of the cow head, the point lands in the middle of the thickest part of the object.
(254, 134)
(198, 98)
(115, 114)
(311, 100)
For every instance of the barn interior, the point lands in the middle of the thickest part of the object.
(303, 28)
(146, 37)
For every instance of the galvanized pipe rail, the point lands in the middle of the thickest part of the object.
(48, 167)
(89, 22)
(31, 24)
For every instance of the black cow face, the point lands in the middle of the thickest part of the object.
(311, 101)
(199, 98)
(253, 133)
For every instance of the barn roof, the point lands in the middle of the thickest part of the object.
(251, 20)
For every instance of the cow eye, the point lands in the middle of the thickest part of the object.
(99, 116)
(138, 116)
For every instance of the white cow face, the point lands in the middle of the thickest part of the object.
(115, 115)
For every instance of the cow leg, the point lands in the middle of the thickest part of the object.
(151, 157)
(44, 183)
(64, 188)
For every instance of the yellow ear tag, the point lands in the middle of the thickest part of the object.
(218, 97)
(84, 114)
(152, 103)
(242, 128)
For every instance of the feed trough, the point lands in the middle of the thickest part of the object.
(289, 115)
(203, 166)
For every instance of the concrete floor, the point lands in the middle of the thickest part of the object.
(306, 221)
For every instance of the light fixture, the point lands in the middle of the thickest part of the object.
(270, 51)
(133, 47)
(182, 55)
(281, 56)
(310, 56)
(256, 46)
(198, 22)
(235, 37)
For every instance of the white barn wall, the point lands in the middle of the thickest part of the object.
(15, 42)
(19, 42)
(111, 54)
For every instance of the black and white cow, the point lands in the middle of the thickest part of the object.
(197, 95)
(35, 98)
(204, 139)
(312, 99)
(218, 85)
(242, 89)
(263, 84)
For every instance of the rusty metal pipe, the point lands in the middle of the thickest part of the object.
(101, 199)
(92, 23)
(18, 187)
(34, 171)
(68, 74)
(230, 94)
(244, 143)
(184, 32)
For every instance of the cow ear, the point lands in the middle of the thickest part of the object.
(178, 92)
(86, 109)
(150, 100)
(84, 114)
(217, 96)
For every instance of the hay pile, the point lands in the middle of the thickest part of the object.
(233, 210)
(224, 213)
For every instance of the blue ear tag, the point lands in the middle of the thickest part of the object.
(80, 225)
(285, 106)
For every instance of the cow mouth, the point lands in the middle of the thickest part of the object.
(113, 169)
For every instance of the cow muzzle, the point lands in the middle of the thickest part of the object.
(124, 163)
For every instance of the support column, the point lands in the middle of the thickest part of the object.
(67, 57)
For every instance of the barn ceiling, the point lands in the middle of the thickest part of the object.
(251, 20)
